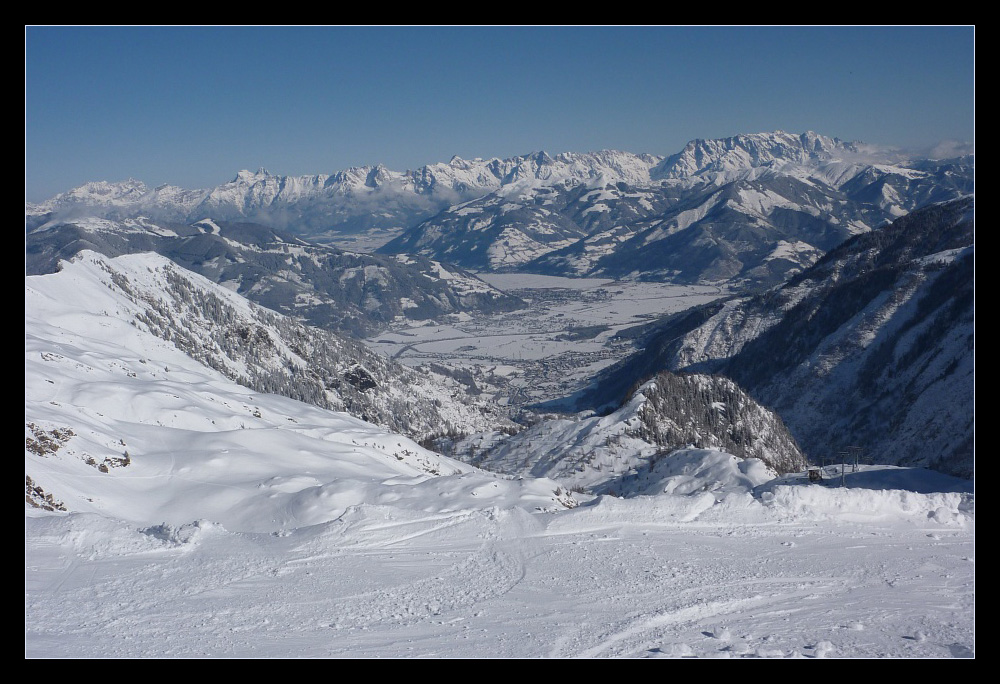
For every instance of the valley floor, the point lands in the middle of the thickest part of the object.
(550, 349)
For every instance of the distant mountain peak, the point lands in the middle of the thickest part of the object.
(126, 186)
(378, 175)
(102, 193)
(247, 175)
(750, 150)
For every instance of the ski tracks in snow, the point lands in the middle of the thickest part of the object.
(385, 581)
(466, 575)
(376, 570)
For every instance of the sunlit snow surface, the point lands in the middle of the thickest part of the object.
(249, 525)
(659, 576)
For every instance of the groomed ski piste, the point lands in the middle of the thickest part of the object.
(194, 518)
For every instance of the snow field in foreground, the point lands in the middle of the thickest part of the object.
(645, 577)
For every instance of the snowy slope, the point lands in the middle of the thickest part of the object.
(256, 347)
(805, 572)
(123, 423)
(227, 523)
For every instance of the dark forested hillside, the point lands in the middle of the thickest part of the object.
(873, 345)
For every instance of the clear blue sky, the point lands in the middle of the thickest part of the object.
(192, 106)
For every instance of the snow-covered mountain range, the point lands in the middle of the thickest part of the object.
(872, 345)
(349, 200)
(206, 477)
(751, 209)
(738, 153)
(747, 210)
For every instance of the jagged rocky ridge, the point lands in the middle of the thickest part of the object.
(271, 353)
(873, 345)
(622, 452)
(734, 154)
(357, 294)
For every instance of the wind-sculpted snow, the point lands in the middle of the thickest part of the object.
(859, 505)
(702, 575)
